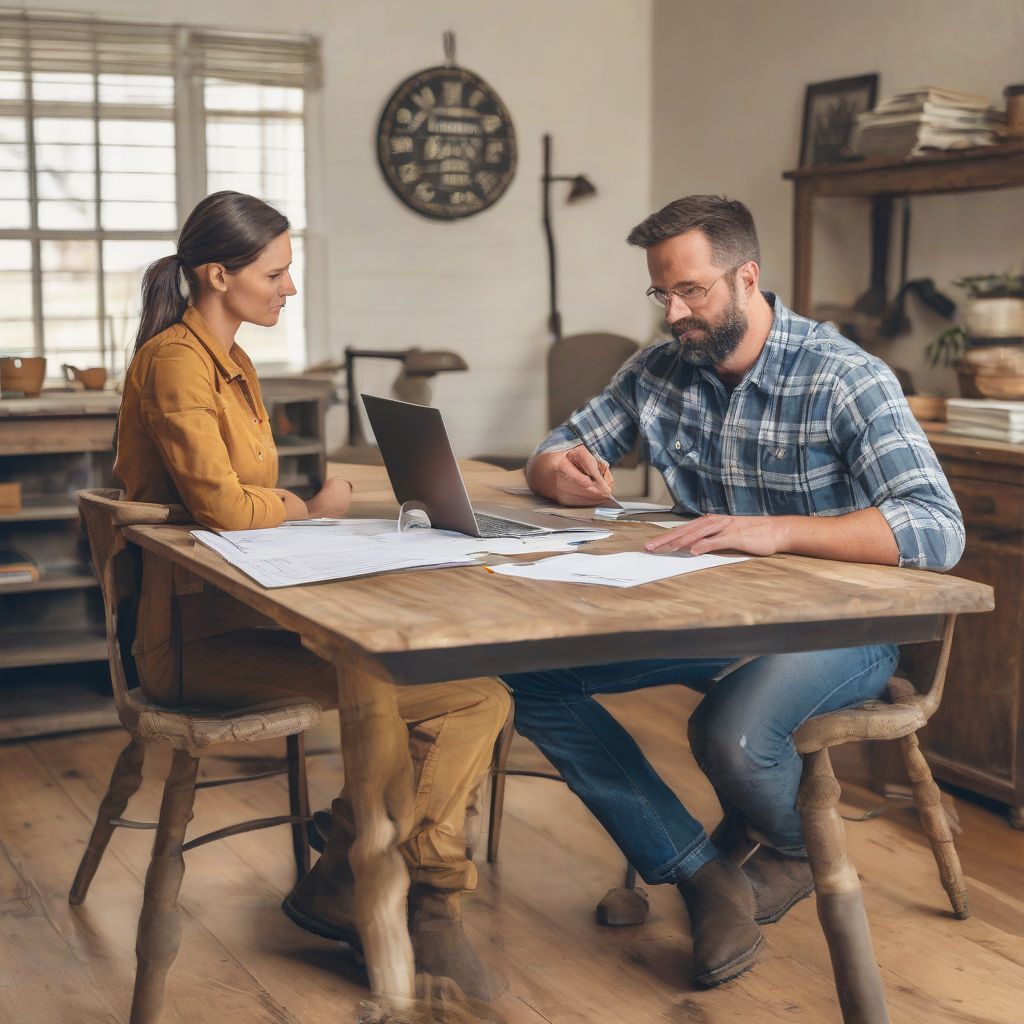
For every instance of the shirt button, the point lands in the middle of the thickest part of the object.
(259, 455)
(679, 444)
(255, 419)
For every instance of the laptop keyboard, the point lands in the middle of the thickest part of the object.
(494, 526)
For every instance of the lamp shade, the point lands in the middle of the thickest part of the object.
(425, 363)
(581, 188)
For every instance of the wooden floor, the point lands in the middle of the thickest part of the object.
(242, 961)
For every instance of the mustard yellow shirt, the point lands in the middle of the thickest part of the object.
(193, 430)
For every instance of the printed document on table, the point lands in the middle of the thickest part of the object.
(625, 569)
(317, 563)
(289, 556)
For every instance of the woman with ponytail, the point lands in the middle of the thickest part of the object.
(193, 430)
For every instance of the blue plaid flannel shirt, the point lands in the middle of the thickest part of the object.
(817, 427)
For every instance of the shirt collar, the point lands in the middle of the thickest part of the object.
(770, 358)
(224, 363)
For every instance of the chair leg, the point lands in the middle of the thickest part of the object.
(840, 900)
(159, 933)
(624, 906)
(124, 783)
(499, 761)
(298, 801)
(928, 801)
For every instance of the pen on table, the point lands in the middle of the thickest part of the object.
(596, 458)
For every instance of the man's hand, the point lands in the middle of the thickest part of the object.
(571, 477)
(332, 500)
(862, 536)
(755, 535)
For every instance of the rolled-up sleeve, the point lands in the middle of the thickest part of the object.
(608, 423)
(181, 418)
(891, 461)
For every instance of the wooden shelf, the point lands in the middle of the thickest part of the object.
(41, 509)
(988, 167)
(298, 446)
(973, 170)
(31, 709)
(51, 647)
(63, 577)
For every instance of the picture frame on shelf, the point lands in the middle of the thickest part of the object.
(829, 112)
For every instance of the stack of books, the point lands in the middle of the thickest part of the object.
(908, 123)
(16, 567)
(985, 417)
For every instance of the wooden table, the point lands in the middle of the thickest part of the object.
(411, 628)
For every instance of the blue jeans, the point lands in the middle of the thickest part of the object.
(741, 735)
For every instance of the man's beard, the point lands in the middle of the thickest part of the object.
(715, 342)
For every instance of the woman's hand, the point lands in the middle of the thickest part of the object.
(294, 506)
(332, 500)
(756, 535)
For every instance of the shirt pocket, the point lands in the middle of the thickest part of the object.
(782, 475)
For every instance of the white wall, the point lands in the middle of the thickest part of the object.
(729, 83)
(579, 69)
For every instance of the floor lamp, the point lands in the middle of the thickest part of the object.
(581, 188)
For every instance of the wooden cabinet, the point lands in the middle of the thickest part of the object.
(976, 738)
(52, 642)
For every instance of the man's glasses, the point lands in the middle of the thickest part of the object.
(692, 295)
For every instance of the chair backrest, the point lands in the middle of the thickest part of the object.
(103, 512)
(579, 367)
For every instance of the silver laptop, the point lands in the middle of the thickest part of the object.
(422, 467)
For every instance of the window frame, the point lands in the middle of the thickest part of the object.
(189, 118)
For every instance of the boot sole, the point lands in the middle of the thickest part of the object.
(733, 969)
(776, 915)
(324, 929)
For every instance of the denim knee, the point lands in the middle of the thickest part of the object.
(727, 749)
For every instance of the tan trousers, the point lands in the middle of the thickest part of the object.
(452, 726)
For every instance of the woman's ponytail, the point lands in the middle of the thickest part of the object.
(228, 228)
(162, 301)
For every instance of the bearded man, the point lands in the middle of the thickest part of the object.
(781, 436)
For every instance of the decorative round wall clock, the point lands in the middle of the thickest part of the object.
(446, 143)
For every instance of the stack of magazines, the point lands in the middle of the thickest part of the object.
(983, 417)
(909, 123)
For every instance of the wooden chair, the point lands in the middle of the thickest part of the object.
(579, 367)
(840, 902)
(189, 732)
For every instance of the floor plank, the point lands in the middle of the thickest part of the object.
(533, 915)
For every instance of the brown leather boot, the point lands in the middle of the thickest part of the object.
(778, 883)
(726, 941)
(441, 947)
(324, 902)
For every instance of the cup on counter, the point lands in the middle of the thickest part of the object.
(92, 379)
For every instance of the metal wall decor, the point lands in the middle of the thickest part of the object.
(446, 143)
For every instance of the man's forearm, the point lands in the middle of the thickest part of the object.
(862, 536)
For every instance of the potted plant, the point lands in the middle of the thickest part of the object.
(985, 350)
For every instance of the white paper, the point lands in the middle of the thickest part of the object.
(359, 547)
(630, 508)
(625, 569)
(290, 562)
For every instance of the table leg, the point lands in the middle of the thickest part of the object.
(378, 779)
(840, 901)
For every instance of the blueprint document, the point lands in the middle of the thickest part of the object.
(313, 551)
